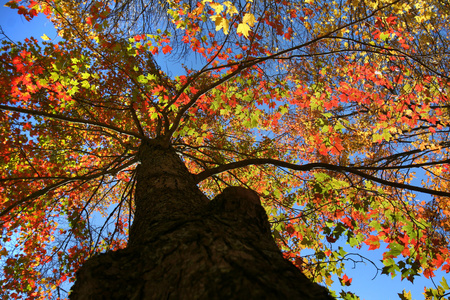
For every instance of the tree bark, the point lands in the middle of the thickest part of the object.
(183, 246)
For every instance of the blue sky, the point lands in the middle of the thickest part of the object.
(364, 284)
(17, 28)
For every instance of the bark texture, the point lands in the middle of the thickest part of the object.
(183, 246)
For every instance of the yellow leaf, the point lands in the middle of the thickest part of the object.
(244, 29)
(249, 19)
(231, 9)
(45, 37)
(217, 7)
(221, 23)
(405, 295)
(328, 281)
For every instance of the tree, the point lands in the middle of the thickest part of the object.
(326, 110)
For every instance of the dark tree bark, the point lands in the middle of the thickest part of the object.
(183, 246)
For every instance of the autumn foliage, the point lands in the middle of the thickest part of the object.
(336, 113)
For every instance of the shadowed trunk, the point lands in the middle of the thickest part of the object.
(183, 246)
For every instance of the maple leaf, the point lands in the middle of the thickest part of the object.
(217, 7)
(166, 49)
(345, 281)
(428, 272)
(243, 29)
(249, 19)
(221, 23)
(315, 119)
(231, 9)
(45, 37)
(373, 242)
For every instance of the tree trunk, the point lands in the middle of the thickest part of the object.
(183, 246)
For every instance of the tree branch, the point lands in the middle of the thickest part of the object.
(246, 64)
(63, 182)
(311, 166)
(68, 119)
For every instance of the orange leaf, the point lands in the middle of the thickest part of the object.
(166, 49)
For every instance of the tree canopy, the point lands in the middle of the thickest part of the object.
(336, 113)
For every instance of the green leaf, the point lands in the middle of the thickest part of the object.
(325, 128)
(376, 137)
(338, 230)
(142, 79)
(405, 295)
(54, 76)
(85, 84)
(320, 177)
(348, 296)
(151, 77)
(283, 109)
(73, 90)
(191, 132)
(254, 120)
(396, 249)
(154, 115)
(43, 81)
(386, 134)
(384, 36)
(375, 225)
(444, 284)
(215, 105)
(338, 127)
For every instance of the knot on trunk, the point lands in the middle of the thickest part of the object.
(239, 203)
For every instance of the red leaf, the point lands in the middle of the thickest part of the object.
(166, 49)
(391, 20)
(345, 280)
(373, 242)
(428, 272)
